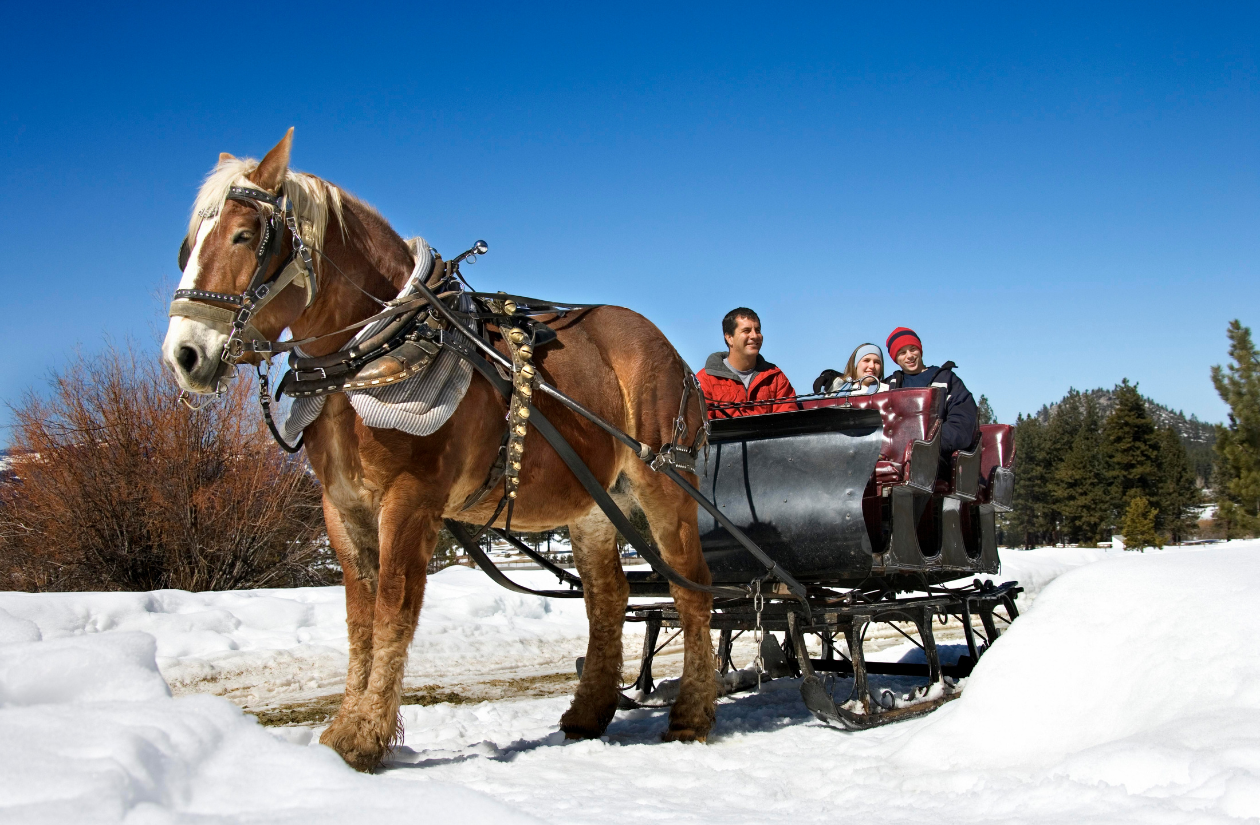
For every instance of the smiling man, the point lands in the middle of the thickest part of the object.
(741, 376)
(961, 427)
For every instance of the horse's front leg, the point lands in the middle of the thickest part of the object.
(358, 566)
(364, 731)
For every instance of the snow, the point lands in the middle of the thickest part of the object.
(1125, 692)
(261, 645)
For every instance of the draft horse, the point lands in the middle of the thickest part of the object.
(386, 493)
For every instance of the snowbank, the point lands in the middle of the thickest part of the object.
(1135, 646)
(91, 734)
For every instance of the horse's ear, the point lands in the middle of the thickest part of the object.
(270, 173)
(224, 157)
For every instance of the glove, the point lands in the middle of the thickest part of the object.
(823, 382)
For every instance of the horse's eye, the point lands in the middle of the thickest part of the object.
(243, 236)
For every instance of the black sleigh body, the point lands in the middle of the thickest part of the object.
(852, 490)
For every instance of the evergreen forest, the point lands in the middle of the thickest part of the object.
(1107, 462)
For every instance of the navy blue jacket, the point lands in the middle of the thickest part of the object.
(962, 421)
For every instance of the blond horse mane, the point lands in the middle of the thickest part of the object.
(312, 198)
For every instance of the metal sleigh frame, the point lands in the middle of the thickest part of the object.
(774, 599)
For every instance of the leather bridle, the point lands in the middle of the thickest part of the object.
(243, 337)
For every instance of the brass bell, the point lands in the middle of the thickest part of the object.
(525, 390)
(517, 335)
(526, 350)
(518, 447)
(516, 465)
(528, 370)
(509, 307)
(520, 430)
(523, 412)
(511, 494)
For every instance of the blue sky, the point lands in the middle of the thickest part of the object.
(1053, 198)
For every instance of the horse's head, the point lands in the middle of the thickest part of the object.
(239, 252)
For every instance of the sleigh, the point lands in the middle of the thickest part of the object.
(851, 499)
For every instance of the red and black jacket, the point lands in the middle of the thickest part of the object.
(768, 391)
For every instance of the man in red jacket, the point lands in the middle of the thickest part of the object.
(739, 381)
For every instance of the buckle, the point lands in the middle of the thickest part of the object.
(232, 350)
(310, 375)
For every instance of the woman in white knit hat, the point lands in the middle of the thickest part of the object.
(863, 374)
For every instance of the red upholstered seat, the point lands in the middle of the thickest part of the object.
(909, 415)
(998, 444)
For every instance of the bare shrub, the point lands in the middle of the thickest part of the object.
(120, 487)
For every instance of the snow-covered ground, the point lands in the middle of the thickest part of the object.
(1128, 691)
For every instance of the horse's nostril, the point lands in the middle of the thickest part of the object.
(187, 358)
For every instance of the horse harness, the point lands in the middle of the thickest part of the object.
(411, 335)
(446, 314)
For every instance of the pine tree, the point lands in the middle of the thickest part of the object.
(1028, 519)
(1060, 435)
(1131, 448)
(984, 411)
(1237, 467)
(1080, 481)
(1178, 496)
(1139, 524)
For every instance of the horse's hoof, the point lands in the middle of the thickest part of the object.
(586, 722)
(359, 752)
(684, 735)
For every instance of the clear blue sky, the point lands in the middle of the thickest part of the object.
(1052, 198)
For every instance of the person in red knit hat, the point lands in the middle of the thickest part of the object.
(739, 381)
(962, 422)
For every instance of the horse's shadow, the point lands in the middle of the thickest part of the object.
(776, 707)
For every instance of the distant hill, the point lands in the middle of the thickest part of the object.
(1198, 436)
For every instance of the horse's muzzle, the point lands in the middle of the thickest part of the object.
(193, 352)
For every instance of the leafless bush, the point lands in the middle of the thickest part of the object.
(120, 487)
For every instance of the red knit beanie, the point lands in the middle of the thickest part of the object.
(902, 337)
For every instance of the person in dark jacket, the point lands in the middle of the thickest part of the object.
(961, 428)
(740, 376)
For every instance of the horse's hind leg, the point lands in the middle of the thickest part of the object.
(606, 593)
(672, 516)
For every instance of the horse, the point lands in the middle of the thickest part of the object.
(386, 493)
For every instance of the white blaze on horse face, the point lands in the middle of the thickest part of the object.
(190, 334)
(189, 278)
